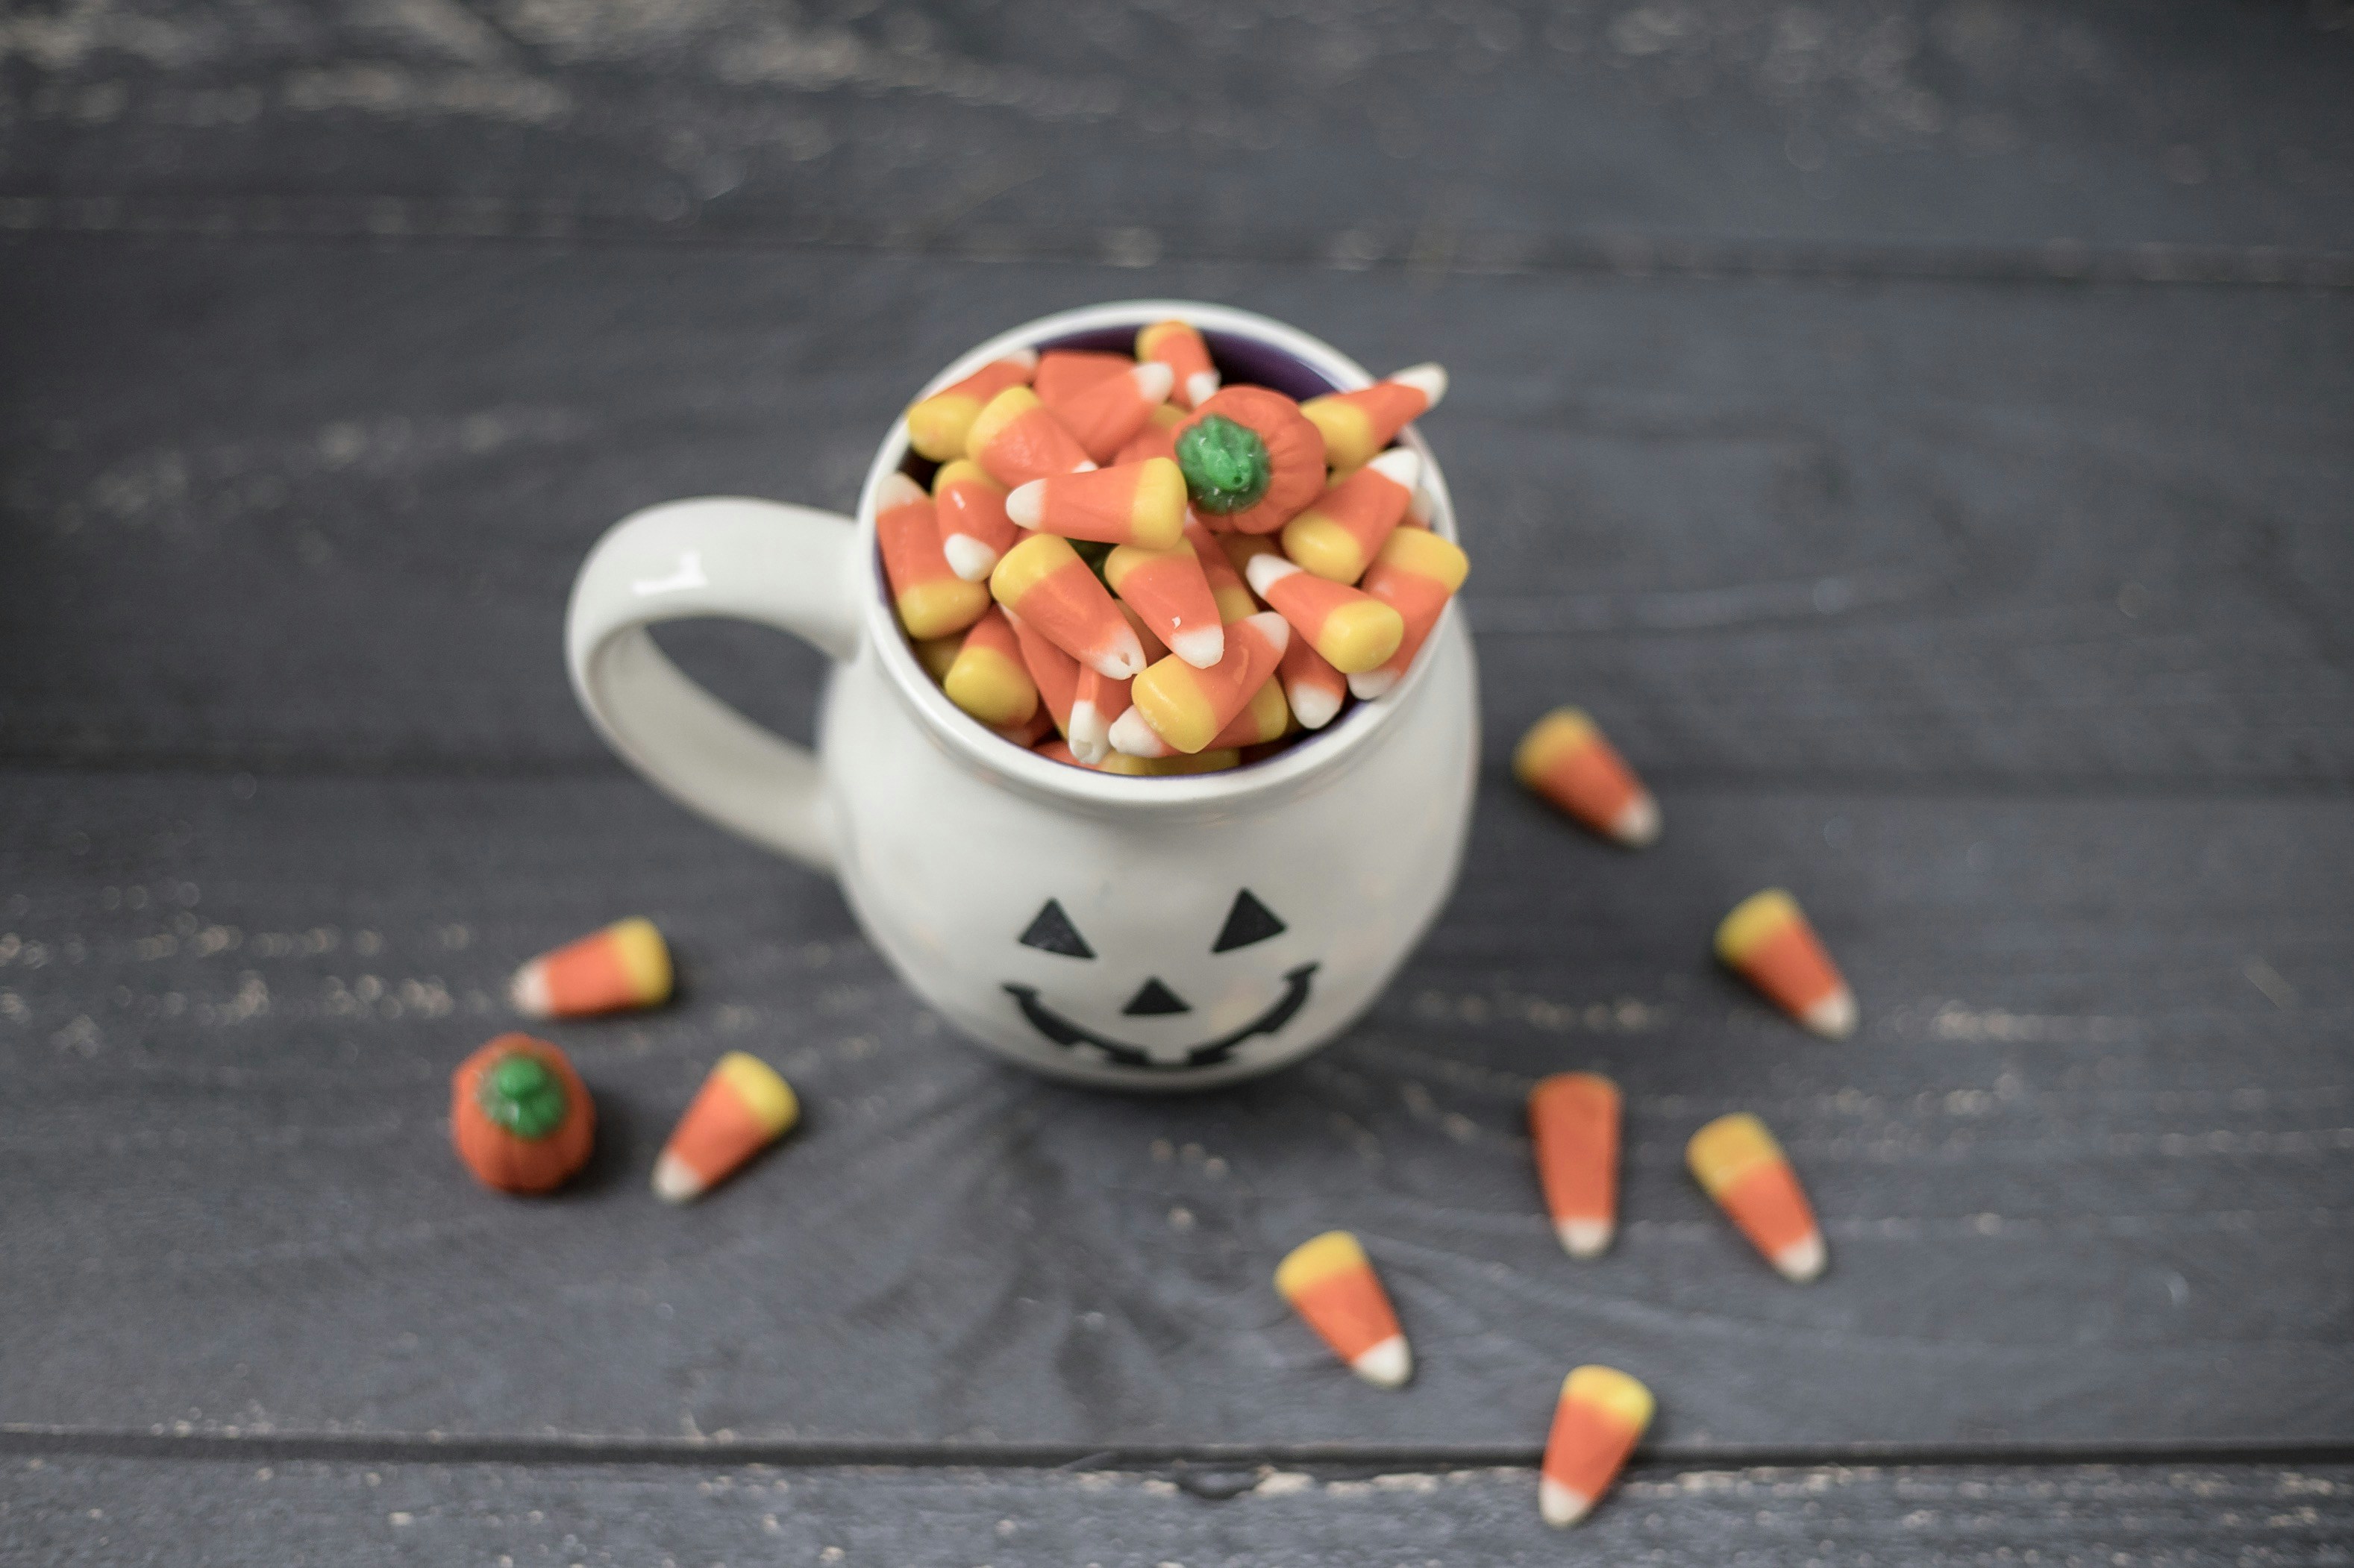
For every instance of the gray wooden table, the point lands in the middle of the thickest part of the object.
(1921, 433)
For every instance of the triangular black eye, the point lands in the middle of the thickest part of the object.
(1154, 998)
(1248, 921)
(1053, 932)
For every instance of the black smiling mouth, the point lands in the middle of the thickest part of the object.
(1065, 1033)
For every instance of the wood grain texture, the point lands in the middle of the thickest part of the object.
(1435, 136)
(2085, 1170)
(287, 506)
(67, 1509)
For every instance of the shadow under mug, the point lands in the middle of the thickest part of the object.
(1139, 933)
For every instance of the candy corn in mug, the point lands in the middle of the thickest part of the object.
(1131, 507)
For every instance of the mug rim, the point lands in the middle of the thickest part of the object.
(974, 742)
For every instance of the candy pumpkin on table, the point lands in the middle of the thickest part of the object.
(520, 1117)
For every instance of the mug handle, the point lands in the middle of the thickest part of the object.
(780, 566)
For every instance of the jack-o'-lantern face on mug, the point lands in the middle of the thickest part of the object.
(1248, 923)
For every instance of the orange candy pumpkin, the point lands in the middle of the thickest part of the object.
(1294, 458)
(520, 1117)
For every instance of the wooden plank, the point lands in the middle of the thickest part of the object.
(2084, 1171)
(68, 1507)
(318, 506)
(1359, 133)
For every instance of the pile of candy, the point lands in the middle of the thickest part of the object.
(1131, 567)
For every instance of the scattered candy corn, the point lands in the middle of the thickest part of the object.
(938, 425)
(1566, 758)
(742, 1108)
(974, 529)
(1042, 580)
(1601, 1416)
(1330, 1283)
(1741, 1166)
(1106, 415)
(1129, 515)
(1138, 503)
(988, 678)
(624, 965)
(1356, 425)
(1767, 940)
(1181, 348)
(1017, 439)
(1573, 1123)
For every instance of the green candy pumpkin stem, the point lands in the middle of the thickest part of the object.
(1226, 465)
(524, 1095)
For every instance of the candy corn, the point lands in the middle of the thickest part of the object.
(1354, 632)
(1340, 531)
(989, 680)
(1181, 348)
(1042, 580)
(1169, 590)
(1234, 599)
(1063, 371)
(1030, 731)
(936, 654)
(1105, 416)
(1055, 672)
(1573, 1123)
(1741, 1166)
(1206, 761)
(1566, 758)
(742, 1108)
(1017, 440)
(1097, 702)
(1356, 425)
(626, 964)
(1058, 750)
(1311, 685)
(938, 425)
(1417, 573)
(932, 600)
(1767, 940)
(1176, 704)
(974, 529)
(1332, 1283)
(1265, 718)
(1137, 503)
(1158, 439)
(1602, 1414)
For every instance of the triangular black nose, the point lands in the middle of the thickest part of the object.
(1155, 998)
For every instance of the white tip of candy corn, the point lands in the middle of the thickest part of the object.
(1026, 507)
(1430, 380)
(895, 491)
(1131, 735)
(1200, 388)
(1201, 647)
(1402, 466)
(1086, 465)
(1154, 381)
(1090, 737)
(676, 1181)
(1266, 571)
(1833, 1017)
(1562, 1507)
(1314, 706)
(528, 990)
(1387, 1364)
(969, 557)
(1372, 684)
(1025, 357)
(1583, 1238)
(1638, 824)
(1271, 626)
(1802, 1260)
(1122, 659)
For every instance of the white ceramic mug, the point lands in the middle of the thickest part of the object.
(1142, 933)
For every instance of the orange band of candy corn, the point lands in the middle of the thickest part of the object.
(1354, 631)
(1341, 531)
(1106, 415)
(1179, 347)
(1601, 1415)
(1042, 580)
(938, 425)
(1573, 1124)
(1314, 689)
(974, 529)
(1158, 439)
(1172, 592)
(1055, 672)
(1064, 371)
(1140, 503)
